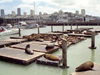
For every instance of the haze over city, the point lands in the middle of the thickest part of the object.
(50, 6)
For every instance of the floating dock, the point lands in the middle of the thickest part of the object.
(13, 40)
(10, 41)
(96, 30)
(51, 33)
(45, 61)
(84, 35)
(19, 37)
(35, 47)
(18, 56)
(95, 71)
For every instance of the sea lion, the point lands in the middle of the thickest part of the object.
(28, 50)
(51, 57)
(49, 46)
(85, 66)
(40, 40)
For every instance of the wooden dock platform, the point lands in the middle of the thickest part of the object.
(63, 32)
(45, 61)
(18, 37)
(13, 40)
(35, 47)
(18, 56)
(95, 71)
(51, 33)
(71, 34)
(4, 43)
(96, 30)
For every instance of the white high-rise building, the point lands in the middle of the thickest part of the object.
(77, 12)
(31, 12)
(25, 14)
(13, 13)
(83, 12)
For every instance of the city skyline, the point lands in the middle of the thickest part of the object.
(50, 6)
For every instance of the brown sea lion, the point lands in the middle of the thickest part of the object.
(51, 57)
(85, 66)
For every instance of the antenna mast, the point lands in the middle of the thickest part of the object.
(34, 7)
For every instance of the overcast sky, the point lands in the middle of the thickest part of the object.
(49, 6)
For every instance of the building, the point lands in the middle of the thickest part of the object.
(31, 13)
(77, 12)
(13, 13)
(40, 13)
(18, 12)
(83, 12)
(2, 13)
(25, 14)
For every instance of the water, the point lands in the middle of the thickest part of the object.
(76, 55)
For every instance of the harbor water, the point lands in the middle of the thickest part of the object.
(76, 55)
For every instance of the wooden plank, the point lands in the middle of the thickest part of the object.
(18, 55)
(51, 33)
(95, 71)
(13, 40)
(41, 43)
(4, 43)
(70, 34)
(34, 47)
(19, 37)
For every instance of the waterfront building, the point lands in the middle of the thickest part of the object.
(77, 12)
(18, 12)
(2, 13)
(13, 14)
(31, 13)
(83, 12)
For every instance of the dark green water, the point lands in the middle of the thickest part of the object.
(76, 55)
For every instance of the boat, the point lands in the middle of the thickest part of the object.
(21, 24)
(4, 31)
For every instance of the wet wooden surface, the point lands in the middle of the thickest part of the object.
(4, 43)
(51, 33)
(34, 47)
(19, 55)
(70, 34)
(19, 37)
(13, 40)
(41, 43)
(96, 30)
(95, 71)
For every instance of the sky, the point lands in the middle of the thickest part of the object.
(50, 6)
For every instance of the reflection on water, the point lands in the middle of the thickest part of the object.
(93, 55)
(65, 72)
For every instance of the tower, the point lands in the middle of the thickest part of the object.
(83, 12)
(13, 13)
(31, 13)
(2, 13)
(18, 12)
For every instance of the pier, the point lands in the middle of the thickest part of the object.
(18, 56)
(96, 71)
